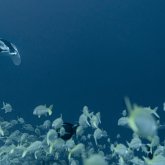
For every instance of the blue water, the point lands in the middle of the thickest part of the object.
(77, 53)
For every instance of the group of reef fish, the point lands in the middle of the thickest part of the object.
(83, 143)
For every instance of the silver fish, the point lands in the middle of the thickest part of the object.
(9, 49)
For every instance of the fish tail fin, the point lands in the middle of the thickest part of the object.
(3, 105)
(50, 110)
(128, 104)
(1, 131)
(51, 148)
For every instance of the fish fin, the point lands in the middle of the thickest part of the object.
(16, 59)
(128, 104)
(3, 105)
(50, 110)
(51, 106)
(51, 148)
(1, 131)
(24, 153)
(35, 155)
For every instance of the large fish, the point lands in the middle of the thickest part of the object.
(9, 49)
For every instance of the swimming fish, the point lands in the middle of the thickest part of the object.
(42, 110)
(7, 107)
(9, 49)
(70, 130)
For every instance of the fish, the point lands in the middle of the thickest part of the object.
(41, 110)
(9, 49)
(70, 130)
(7, 107)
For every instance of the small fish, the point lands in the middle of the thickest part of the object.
(7, 107)
(9, 49)
(42, 110)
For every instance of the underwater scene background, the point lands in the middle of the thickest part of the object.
(77, 53)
